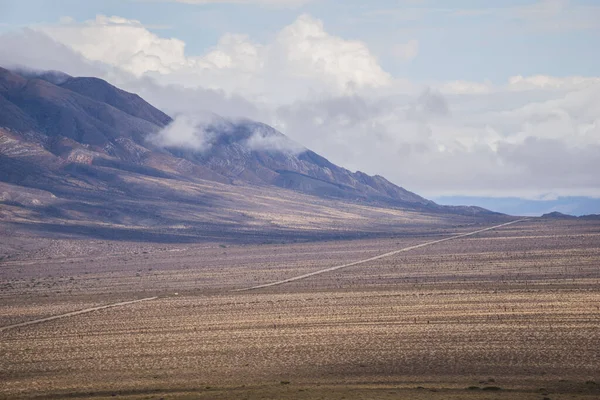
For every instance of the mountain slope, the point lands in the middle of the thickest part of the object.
(130, 103)
(85, 139)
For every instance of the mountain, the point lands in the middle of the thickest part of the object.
(80, 143)
(556, 214)
(571, 205)
(114, 124)
(559, 215)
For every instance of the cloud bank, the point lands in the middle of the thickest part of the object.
(303, 57)
(528, 137)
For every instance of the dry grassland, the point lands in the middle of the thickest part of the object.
(508, 314)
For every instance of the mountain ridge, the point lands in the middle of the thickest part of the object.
(79, 108)
(86, 136)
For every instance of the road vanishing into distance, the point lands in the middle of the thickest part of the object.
(266, 285)
(391, 253)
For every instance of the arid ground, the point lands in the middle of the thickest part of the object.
(512, 313)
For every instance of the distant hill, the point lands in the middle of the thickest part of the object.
(570, 205)
(559, 215)
(556, 214)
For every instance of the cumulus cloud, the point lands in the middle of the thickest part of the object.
(120, 42)
(310, 51)
(303, 57)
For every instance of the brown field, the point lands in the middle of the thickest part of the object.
(512, 313)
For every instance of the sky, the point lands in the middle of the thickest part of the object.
(464, 98)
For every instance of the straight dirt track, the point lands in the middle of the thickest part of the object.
(389, 254)
(74, 313)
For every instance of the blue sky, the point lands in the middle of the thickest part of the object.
(446, 98)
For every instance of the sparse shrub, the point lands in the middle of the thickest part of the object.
(492, 388)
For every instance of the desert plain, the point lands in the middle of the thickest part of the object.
(510, 313)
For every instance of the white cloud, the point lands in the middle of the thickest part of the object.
(311, 52)
(234, 51)
(190, 132)
(120, 42)
(265, 138)
(199, 131)
(302, 57)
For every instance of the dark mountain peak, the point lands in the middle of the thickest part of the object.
(251, 151)
(10, 81)
(38, 105)
(130, 103)
(559, 215)
(54, 77)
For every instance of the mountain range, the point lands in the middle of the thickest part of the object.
(573, 205)
(80, 149)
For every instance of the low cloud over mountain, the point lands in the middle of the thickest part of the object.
(529, 136)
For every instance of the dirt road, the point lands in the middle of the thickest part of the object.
(74, 313)
(389, 254)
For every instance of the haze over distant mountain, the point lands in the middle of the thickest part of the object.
(77, 137)
(515, 206)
